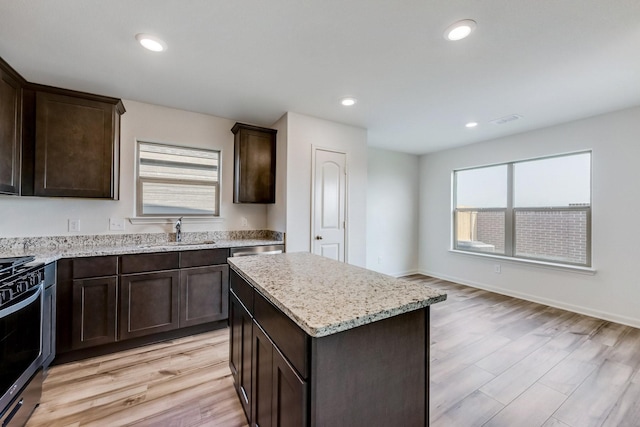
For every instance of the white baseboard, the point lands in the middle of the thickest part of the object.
(612, 317)
(405, 273)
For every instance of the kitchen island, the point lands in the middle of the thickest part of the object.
(315, 342)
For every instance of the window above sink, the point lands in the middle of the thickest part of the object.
(177, 181)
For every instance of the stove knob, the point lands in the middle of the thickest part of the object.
(5, 295)
(20, 286)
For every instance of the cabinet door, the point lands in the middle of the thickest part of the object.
(255, 164)
(76, 147)
(204, 295)
(149, 303)
(262, 378)
(94, 312)
(240, 326)
(289, 395)
(10, 125)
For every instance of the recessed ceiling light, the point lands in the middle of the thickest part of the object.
(460, 30)
(348, 102)
(151, 42)
(471, 124)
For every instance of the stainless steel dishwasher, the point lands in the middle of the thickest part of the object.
(257, 250)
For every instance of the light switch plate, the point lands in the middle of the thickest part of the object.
(116, 224)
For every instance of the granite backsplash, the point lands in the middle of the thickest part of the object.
(53, 243)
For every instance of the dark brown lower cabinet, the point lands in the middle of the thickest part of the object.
(94, 311)
(262, 378)
(204, 294)
(271, 391)
(103, 301)
(279, 394)
(149, 303)
(240, 324)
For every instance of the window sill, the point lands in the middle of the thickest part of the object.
(171, 220)
(544, 264)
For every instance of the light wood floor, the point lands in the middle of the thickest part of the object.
(495, 361)
(184, 382)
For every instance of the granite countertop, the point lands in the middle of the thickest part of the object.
(52, 249)
(47, 256)
(324, 297)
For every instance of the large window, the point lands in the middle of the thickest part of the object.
(536, 209)
(176, 180)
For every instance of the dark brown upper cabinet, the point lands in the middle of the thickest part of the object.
(76, 144)
(57, 142)
(254, 179)
(10, 128)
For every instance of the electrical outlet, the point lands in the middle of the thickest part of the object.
(379, 260)
(244, 221)
(74, 225)
(116, 224)
(497, 269)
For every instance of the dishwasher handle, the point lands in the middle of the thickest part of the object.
(257, 250)
(247, 253)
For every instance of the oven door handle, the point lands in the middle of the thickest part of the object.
(22, 304)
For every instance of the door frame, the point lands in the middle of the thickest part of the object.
(314, 150)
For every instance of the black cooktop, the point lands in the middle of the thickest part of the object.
(8, 266)
(18, 276)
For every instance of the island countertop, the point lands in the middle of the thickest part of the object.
(324, 297)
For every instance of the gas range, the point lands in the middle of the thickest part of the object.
(21, 323)
(17, 276)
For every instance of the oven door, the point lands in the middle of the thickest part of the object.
(20, 345)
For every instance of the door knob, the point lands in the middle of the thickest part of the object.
(318, 237)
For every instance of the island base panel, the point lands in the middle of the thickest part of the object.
(373, 375)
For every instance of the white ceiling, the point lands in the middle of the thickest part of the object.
(550, 61)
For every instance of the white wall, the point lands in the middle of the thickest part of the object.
(305, 132)
(392, 212)
(614, 291)
(37, 216)
(277, 212)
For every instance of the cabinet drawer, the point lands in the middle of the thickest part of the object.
(243, 291)
(140, 263)
(292, 341)
(94, 267)
(203, 257)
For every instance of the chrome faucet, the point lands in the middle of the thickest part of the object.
(179, 230)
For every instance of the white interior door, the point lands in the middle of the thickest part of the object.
(329, 204)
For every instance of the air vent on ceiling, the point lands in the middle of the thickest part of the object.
(506, 119)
